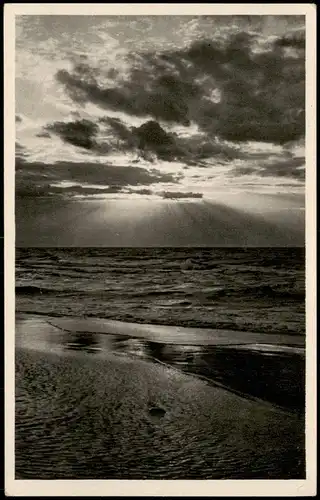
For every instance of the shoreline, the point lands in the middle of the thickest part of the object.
(205, 336)
(159, 323)
(251, 366)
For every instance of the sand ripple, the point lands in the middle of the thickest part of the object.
(90, 419)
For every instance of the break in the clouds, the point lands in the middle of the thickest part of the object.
(169, 108)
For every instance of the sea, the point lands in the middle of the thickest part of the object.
(109, 385)
(241, 289)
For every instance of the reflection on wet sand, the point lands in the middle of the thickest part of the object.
(277, 377)
(87, 342)
(272, 373)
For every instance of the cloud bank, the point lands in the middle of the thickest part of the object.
(233, 88)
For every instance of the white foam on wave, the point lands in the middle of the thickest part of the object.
(183, 335)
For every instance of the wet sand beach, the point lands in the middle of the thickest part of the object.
(87, 410)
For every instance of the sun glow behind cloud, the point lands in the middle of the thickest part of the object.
(152, 113)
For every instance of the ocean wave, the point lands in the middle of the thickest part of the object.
(227, 288)
(31, 290)
(252, 291)
(257, 291)
(37, 290)
(180, 321)
(213, 293)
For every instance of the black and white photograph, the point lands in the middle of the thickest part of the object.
(160, 246)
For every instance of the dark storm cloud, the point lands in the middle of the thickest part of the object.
(85, 190)
(180, 195)
(295, 40)
(28, 189)
(44, 135)
(239, 171)
(292, 167)
(280, 184)
(261, 93)
(35, 179)
(79, 133)
(150, 136)
(119, 129)
(166, 99)
(289, 168)
(143, 191)
(198, 148)
(192, 150)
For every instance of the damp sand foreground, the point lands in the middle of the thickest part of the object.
(87, 410)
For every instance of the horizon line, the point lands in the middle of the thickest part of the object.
(160, 246)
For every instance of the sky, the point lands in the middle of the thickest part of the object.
(160, 130)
